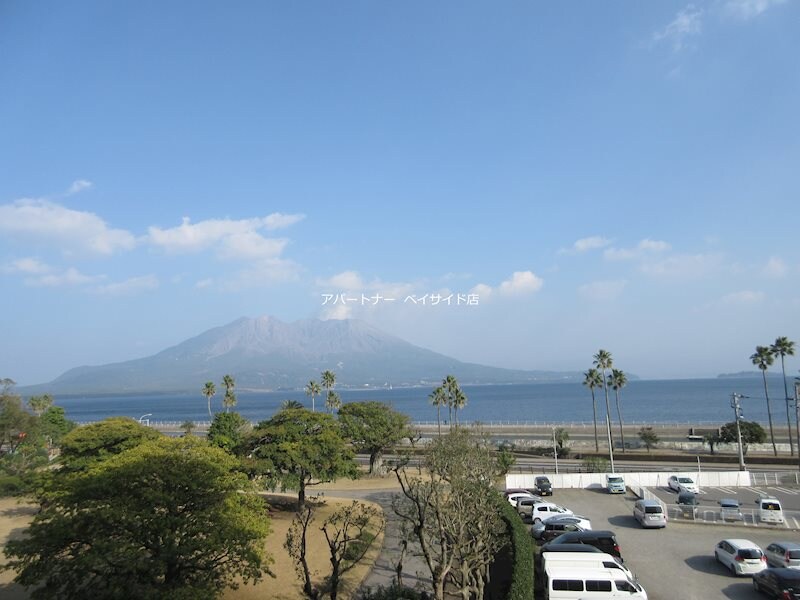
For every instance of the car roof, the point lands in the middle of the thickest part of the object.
(649, 502)
(565, 547)
(586, 535)
(784, 573)
(742, 543)
(788, 545)
(730, 501)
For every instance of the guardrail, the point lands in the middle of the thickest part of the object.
(712, 516)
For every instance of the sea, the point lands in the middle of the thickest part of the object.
(674, 401)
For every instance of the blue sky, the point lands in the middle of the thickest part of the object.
(620, 175)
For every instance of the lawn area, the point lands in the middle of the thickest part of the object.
(15, 516)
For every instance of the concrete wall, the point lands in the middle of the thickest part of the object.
(595, 480)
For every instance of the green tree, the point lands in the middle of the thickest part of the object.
(167, 519)
(438, 398)
(712, 439)
(39, 404)
(649, 437)
(53, 425)
(16, 423)
(752, 433)
(783, 347)
(287, 404)
(312, 389)
(561, 436)
(618, 380)
(328, 381)
(763, 359)
(298, 448)
(593, 379)
(188, 426)
(228, 430)
(89, 444)
(333, 401)
(229, 401)
(209, 389)
(373, 428)
(603, 361)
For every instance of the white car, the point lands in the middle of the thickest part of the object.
(512, 498)
(742, 557)
(543, 511)
(680, 483)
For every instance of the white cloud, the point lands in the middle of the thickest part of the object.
(251, 246)
(204, 283)
(688, 22)
(521, 282)
(682, 266)
(585, 244)
(482, 290)
(602, 290)
(744, 297)
(129, 286)
(344, 281)
(642, 249)
(336, 312)
(748, 9)
(78, 186)
(30, 266)
(70, 277)
(775, 268)
(280, 220)
(73, 230)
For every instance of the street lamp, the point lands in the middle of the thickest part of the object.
(737, 413)
(144, 422)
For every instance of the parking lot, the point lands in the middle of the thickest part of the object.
(676, 562)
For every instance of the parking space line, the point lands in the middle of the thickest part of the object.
(785, 490)
(726, 490)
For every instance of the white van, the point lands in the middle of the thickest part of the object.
(571, 583)
(769, 510)
(584, 560)
(615, 484)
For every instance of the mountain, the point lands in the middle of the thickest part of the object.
(267, 354)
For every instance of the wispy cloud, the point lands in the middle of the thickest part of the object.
(72, 230)
(687, 23)
(78, 186)
(602, 290)
(521, 282)
(749, 9)
(129, 286)
(585, 244)
(775, 268)
(744, 297)
(68, 277)
(281, 221)
(644, 248)
(682, 266)
(29, 266)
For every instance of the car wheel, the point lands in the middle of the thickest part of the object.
(733, 570)
(755, 586)
(537, 520)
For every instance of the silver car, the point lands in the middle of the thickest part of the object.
(783, 554)
(650, 513)
(729, 510)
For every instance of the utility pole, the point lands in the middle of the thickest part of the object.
(737, 413)
(555, 449)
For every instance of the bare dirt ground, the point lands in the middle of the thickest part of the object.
(15, 516)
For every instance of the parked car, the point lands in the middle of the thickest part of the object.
(680, 483)
(605, 540)
(783, 554)
(769, 510)
(571, 547)
(554, 527)
(650, 513)
(525, 505)
(576, 583)
(615, 484)
(586, 559)
(778, 583)
(513, 497)
(730, 510)
(543, 511)
(543, 486)
(688, 503)
(742, 557)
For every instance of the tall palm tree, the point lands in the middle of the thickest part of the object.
(459, 401)
(312, 389)
(603, 361)
(328, 381)
(208, 391)
(450, 385)
(230, 398)
(617, 380)
(593, 379)
(783, 346)
(763, 359)
(290, 405)
(333, 401)
(438, 398)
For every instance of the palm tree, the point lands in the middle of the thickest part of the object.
(450, 385)
(230, 398)
(333, 401)
(603, 361)
(593, 379)
(312, 389)
(783, 346)
(763, 359)
(291, 404)
(438, 398)
(459, 401)
(328, 381)
(617, 380)
(208, 391)
(187, 427)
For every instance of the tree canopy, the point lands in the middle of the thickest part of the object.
(297, 448)
(228, 429)
(89, 444)
(165, 519)
(372, 427)
(752, 433)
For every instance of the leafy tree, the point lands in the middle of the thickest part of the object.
(328, 381)
(593, 379)
(187, 426)
(373, 428)
(712, 439)
(228, 430)
(39, 404)
(649, 437)
(439, 399)
(752, 433)
(298, 448)
(312, 389)
(229, 401)
(166, 519)
(16, 423)
(595, 464)
(333, 401)
(209, 389)
(53, 425)
(782, 347)
(87, 445)
(561, 436)
(456, 399)
(763, 359)
(287, 404)
(618, 380)
(603, 361)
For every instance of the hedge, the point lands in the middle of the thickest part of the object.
(521, 587)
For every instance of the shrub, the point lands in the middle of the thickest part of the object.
(521, 587)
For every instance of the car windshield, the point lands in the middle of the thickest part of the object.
(793, 554)
(770, 506)
(615, 480)
(749, 553)
(684, 480)
(729, 504)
